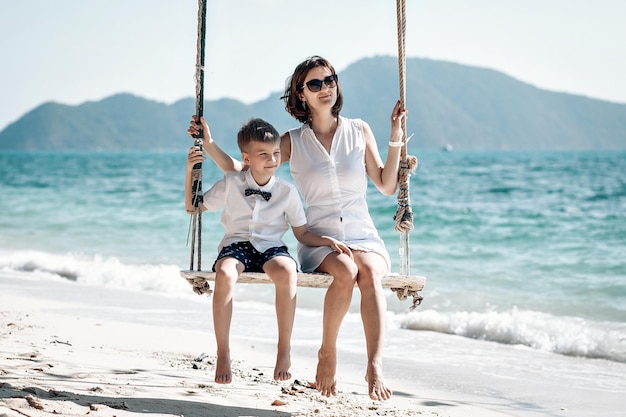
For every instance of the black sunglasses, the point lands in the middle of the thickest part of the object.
(316, 85)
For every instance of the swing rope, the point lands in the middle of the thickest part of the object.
(196, 175)
(408, 164)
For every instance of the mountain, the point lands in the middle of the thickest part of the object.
(467, 107)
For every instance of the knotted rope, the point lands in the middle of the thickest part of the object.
(408, 165)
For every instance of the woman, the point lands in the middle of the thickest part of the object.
(330, 157)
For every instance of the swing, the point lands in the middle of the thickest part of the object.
(403, 284)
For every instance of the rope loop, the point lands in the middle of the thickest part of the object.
(404, 293)
(200, 286)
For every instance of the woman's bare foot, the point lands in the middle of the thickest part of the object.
(377, 389)
(283, 363)
(223, 373)
(325, 377)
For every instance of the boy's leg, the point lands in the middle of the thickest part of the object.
(226, 272)
(282, 271)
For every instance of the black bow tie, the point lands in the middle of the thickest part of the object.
(263, 194)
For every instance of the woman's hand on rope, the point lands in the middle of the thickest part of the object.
(397, 117)
(196, 126)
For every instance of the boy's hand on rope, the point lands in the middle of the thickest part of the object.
(195, 156)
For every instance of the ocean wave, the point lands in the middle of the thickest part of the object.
(570, 336)
(97, 270)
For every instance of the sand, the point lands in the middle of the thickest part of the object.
(75, 350)
(61, 365)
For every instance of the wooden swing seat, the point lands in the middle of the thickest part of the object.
(402, 285)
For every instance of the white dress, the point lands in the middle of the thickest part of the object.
(334, 187)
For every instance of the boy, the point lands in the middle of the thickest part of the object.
(258, 209)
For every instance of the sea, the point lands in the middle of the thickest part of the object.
(523, 252)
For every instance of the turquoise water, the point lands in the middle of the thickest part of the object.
(519, 248)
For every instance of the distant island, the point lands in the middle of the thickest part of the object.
(451, 107)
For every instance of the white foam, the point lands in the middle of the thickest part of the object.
(97, 270)
(571, 336)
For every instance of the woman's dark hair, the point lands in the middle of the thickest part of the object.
(295, 83)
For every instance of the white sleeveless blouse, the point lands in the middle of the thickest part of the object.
(334, 187)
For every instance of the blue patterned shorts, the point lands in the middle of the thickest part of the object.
(252, 259)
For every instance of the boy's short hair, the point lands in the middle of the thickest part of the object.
(257, 130)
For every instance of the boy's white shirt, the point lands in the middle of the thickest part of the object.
(251, 218)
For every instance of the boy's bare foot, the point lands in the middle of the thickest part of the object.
(283, 363)
(223, 373)
(377, 389)
(325, 377)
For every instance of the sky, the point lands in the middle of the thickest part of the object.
(73, 51)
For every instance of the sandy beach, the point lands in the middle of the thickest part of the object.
(74, 350)
(55, 361)
(64, 364)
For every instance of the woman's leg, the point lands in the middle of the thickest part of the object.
(336, 305)
(372, 268)
(282, 270)
(227, 270)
